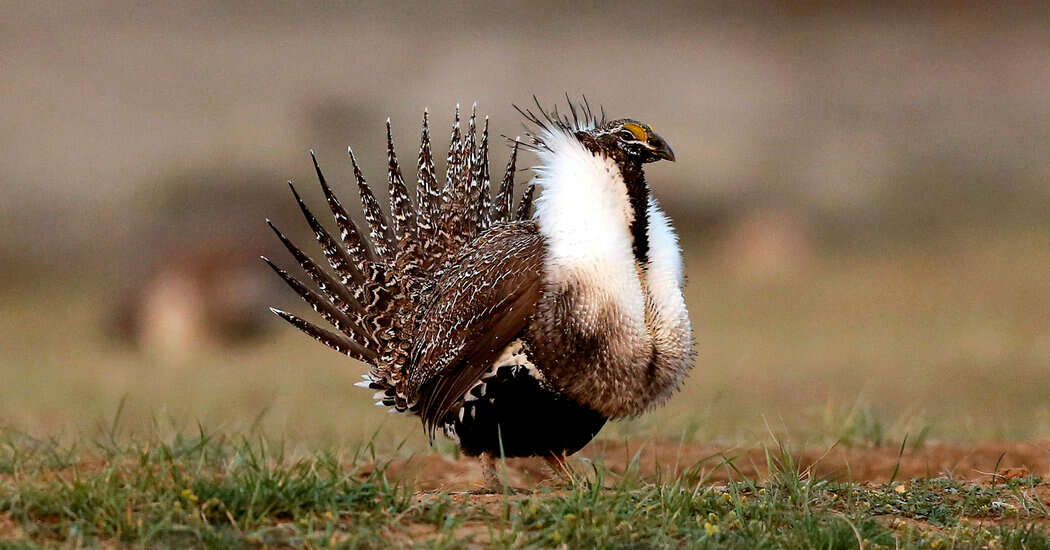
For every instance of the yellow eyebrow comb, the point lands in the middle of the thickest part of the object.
(639, 133)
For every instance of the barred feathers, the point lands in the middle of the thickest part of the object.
(370, 300)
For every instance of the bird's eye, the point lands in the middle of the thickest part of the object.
(627, 135)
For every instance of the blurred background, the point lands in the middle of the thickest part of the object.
(863, 195)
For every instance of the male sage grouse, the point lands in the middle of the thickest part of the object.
(516, 333)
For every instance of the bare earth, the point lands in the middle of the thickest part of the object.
(980, 463)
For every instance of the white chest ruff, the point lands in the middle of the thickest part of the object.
(584, 215)
(637, 312)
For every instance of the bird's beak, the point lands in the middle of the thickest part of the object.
(660, 150)
(665, 153)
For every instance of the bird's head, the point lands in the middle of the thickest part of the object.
(626, 140)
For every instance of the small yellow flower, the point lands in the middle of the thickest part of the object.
(902, 488)
(711, 530)
(188, 495)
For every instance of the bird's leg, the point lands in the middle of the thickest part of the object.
(561, 468)
(493, 483)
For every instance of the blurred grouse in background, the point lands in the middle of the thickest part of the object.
(515, 333)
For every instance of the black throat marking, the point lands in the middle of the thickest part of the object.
(638, 192)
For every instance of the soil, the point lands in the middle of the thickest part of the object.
(981, 463)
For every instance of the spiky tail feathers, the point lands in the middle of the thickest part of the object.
(378, 279)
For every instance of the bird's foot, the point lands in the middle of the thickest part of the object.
(562, 470)
(493, 479)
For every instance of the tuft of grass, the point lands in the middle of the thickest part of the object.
(195, 490)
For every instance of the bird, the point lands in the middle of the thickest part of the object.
(520, 330)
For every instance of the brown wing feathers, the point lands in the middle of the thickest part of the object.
(384, 281)
(470, 325)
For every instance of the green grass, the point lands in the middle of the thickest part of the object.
(219, 492)
(867, 352)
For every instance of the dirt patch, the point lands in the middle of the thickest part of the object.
(979, 463)
(973, 462)
(9, 530)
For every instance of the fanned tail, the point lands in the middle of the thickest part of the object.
(501, 208)
(428, 195)
(480, 185)
(374, 296)
(402, 213)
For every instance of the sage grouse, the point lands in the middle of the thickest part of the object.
(515, 333)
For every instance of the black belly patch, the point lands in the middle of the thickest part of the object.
(514, 408)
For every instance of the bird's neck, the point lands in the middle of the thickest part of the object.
(638, 195)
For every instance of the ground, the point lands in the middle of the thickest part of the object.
(208, 490)
(671, 459)
(892, 399)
